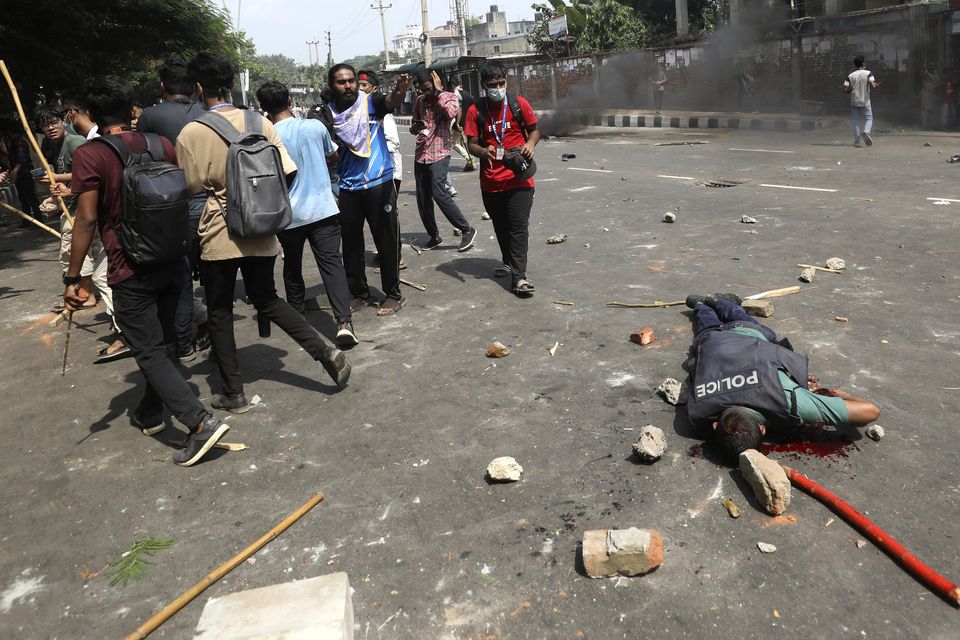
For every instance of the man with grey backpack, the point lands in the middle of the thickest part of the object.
(236, 157)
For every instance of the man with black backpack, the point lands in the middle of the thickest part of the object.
(236, 157)
(502, 131)
(145, 239)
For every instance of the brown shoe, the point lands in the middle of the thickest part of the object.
(390, 307)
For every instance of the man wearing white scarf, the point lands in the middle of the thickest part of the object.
(367, 192)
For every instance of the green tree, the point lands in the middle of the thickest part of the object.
(611, 26)
(51, 46)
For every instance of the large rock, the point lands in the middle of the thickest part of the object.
(651, 444)
(504, 469)
(320, 608)
(808, 274)
(768, 480)
(758, 308)
(624, 552)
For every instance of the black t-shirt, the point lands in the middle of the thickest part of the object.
(169, 118)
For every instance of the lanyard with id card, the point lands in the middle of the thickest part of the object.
(503, 130)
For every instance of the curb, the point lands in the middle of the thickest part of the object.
(687, 122)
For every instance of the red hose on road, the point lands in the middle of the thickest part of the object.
(936, 582)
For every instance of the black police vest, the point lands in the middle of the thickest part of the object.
(731, 369)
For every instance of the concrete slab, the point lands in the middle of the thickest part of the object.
(318, 608)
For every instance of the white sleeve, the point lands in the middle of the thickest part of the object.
(390, 133)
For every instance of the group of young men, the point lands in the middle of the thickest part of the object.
(337, 173)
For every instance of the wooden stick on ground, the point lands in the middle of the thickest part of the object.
(171, 609)
(33, 141)
(29, 218)
(415, 285)
(813, 266)
(772, 293)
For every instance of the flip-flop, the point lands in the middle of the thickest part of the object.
(105, 355)
(524, 288)
(390, 307)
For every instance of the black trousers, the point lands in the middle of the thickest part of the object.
(219, 279)
(431, 180)
(378, 207)
(510, 213)
(324, 238)
(145, 306)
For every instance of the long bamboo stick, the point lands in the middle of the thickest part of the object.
(772, 293)
(168, 612)
(911, 564)
(29, 218)
(33, 141)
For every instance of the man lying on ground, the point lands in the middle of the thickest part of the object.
(744, 381)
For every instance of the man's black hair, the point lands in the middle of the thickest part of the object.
(273, 96)
(858, 62)
(371, 77)
(108, 100)
(45, 115)
(423, 75)
(738, 431)
(175, 77)
(214, 72)
(492, 69)
(339, 67)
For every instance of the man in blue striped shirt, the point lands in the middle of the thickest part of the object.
(367, 192)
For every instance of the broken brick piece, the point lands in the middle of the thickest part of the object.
(625, 552)
(758, 308)
(643, 337)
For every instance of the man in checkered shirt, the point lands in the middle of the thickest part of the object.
(432, 115)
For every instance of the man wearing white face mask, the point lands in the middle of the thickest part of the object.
(502, 131)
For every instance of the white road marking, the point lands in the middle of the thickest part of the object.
(763, 150)
(578, 189)
(594, 170)
(548, 180)
(785, 186)
(944, 199)
(677, 177)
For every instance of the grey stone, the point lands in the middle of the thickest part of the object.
(748, 220)
(837, 263)
(766, 547)
(670, 390)
(557, 239)
(319, 608)
(504, 469)
(670, 216)
(758, 308)
(484, 216)
(768, 480)
(808, 274)
(875, 432)
(651, 444)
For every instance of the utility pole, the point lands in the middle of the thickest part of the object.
(310, 49)
(383, 26)
(329, 50)
(424, 38)
(458, 12)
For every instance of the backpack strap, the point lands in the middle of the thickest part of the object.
(119, 147)
(253, 121)
(481, 120)
(514, 102)
(155, 147)
(221, 126)
(518, 114)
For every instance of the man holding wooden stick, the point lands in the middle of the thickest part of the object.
(743, 380)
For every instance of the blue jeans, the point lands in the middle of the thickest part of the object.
(861, 112)
(723, 312)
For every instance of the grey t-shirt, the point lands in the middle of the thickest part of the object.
(859, 84)
(169, 118)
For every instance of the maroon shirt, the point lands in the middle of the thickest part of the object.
(97, 166)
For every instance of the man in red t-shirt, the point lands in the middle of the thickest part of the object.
(145, 295)
(507, 197)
